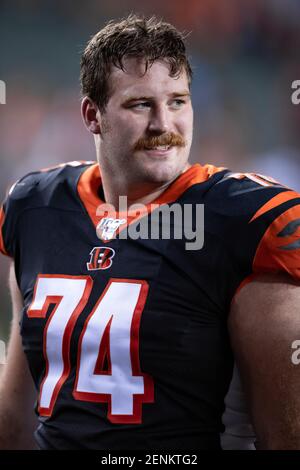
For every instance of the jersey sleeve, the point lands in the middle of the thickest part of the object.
(278, 249)
(7, 226)
(37, 189)
(25, 193)
(259, 220)
(13, 205)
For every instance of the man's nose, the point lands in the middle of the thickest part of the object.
(159, 120)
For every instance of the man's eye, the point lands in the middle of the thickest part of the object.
(178, 103)
(141, 105)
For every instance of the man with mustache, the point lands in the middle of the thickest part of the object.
(129, 341)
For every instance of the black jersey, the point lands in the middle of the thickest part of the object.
(126, 337)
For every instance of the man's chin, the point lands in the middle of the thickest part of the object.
(162, 173)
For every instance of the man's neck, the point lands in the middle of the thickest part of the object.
(144, 194)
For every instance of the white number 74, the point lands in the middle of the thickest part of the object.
(111, 331)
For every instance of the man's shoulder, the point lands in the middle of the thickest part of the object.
(38, 183)
(48, 187)
(54, 188)
(258, 218)
(248, 195)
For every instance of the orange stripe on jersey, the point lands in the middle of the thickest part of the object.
(90, 182)
(275, 201)
(211, 169)
(279, 249)
(2, 218)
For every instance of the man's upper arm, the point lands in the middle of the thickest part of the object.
(17, 393)
(263, 323)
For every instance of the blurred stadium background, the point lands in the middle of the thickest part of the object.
(245, 56)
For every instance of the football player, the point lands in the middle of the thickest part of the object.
(129, 339)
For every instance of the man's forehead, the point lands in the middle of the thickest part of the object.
(134, 78)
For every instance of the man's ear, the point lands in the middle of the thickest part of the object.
(91, 115)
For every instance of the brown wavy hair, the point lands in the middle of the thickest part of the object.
(135, 36)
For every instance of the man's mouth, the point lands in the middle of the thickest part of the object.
(159, 147)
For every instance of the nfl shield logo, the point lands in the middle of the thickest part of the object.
(107, 227)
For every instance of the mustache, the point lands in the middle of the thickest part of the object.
(168, 139)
